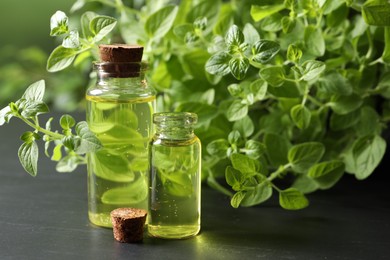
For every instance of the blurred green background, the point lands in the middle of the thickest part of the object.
(25, 45)
(26, 23)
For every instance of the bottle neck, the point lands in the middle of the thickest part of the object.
(120, 73)
(174, 133)
(175, 126)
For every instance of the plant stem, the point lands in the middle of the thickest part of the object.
(40, 129)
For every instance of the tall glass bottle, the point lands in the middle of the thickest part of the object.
(175, 177)
(119, 111)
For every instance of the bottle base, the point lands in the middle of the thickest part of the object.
(173, 232)
(100, 219)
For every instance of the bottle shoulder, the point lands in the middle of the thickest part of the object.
(115, 92)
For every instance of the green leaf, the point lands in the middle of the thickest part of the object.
(376, 12)
(234, 178)
(207, 9)
(110, 166)
(260, 12)
(34, 108)
(311, 69)
(234, 36)
(60, 59)
(292, 199)
(305, 184)
(85, 21)
(245, 126)
(218, 64)
(69, 163)
(58, 24)
(133, 193)
(67, 122)
(327, 174)
(342, 122)
(244, 164)
(72, 40)
(259, 191)
(259, 89)
(368, 122)
(277, 148)
(28, 157)
(5, 114)
(314, 41)
(238, 67)
(237, 111)
(35, 91)
(101, 25)
(303, 156)
(251, 35)
(335, 83)
(254, 149)
(288, 24)
(386, 50)
(264, 50)
(57, 153)
(367, 153)
(29, 137)
(204, 111)
(273, 75)
(345, 104)
(218, 148)
(89, 142)
(160, 22)
(237, 198)
(301, 116)
(294, 53)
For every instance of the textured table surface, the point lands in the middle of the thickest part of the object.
(46, 218)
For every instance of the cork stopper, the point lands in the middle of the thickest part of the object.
(120, 60)
(120, 53)
(128, 224)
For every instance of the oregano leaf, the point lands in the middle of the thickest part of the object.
(58, 24)
(303, 156)
(60, 58)
(367, 153)
(238, 67)
(218, 64)
(28, 157)
(160, 22)
(237, 111)
(234, 36)
(326, 174)
(101, 25)
(88, 141)
(301, 116)
(257, 194)
(292, 199)
(264, 50)
(273, 75)
(237, 198)
(35, 91)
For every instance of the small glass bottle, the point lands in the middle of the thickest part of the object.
(175, 177)
(119, 111)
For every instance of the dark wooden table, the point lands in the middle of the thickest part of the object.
(46, 218)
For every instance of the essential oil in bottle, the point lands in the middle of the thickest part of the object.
(119, 111)
(175, 177)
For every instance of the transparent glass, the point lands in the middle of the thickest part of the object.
(119, 111)
(175, 177)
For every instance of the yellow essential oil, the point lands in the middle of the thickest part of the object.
(119, 112)
(175, 177)
(118, 173)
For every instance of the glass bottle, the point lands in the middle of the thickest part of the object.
(119, 111)
(175, 177)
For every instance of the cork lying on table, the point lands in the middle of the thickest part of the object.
(128, 224)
